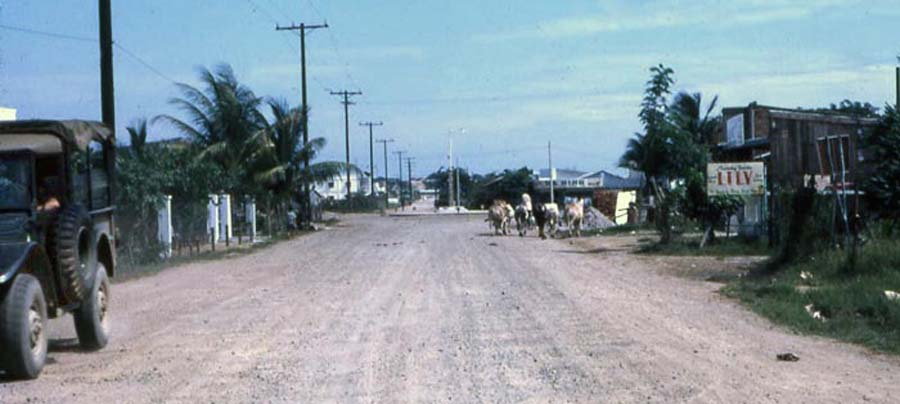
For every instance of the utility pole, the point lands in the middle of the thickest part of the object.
(458, 185)
(897, 105)
(552, 177)
(399, 154)
(307, 211)
(346, 94)
(107, 92)
(451, 201)
(371, 155)
(409, 161)
(386, 197)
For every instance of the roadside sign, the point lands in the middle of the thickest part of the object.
(735, 178)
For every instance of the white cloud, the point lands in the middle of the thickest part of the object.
(630, 16)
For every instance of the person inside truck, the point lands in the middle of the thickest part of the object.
(46, 196)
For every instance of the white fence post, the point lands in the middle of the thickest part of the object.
(164, 226)
(251, 218)
(212, 221)
(225, 230)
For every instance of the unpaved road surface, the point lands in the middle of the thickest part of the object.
(432, 309)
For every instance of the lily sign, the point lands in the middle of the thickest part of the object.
(735, 178)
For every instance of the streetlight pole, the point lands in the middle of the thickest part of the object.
(453, 169)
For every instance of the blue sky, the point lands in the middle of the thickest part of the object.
(514, 74)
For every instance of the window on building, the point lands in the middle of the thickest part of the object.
(834, 155)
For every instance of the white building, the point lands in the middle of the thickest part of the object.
(336, 187)
(7, 114)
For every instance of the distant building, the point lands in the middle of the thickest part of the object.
(586, 182)
(610, 193)
(335, 188)
(7, 114)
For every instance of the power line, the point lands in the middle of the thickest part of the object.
(335, 47)
(58, 35)
(48, 33)
(144, 63)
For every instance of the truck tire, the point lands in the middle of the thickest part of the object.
(92, 318)
(23, 325)
(64, 241)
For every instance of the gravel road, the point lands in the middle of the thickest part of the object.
(433, 309)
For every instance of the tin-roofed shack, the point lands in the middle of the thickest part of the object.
(796, 146)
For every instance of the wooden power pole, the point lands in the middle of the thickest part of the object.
(347, 103)
(399, 154)
(107, 91)
(307, 208)
(386, 197)
(409, 161)
(371, 155)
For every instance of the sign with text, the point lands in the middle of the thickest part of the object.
(735, 178)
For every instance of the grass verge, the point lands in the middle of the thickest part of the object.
(852, 301)
(723, 247)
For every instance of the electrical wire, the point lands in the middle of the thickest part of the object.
(48, 33)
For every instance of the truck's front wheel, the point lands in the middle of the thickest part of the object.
(92, 318)
(23, 324)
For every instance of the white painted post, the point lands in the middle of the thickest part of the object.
(164, 226)
(251, 218)
(225, 230)
(212, 221)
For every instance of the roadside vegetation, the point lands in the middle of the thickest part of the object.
(822, 296)
(846, 288)
(229, 141)
(819, 278)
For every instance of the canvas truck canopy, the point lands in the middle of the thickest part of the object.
(27, 134)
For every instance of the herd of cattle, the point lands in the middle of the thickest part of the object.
(541, 215)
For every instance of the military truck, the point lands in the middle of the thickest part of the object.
(56, 236)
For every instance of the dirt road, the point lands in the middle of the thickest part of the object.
(432, 309)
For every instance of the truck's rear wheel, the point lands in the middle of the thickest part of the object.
(23, 324)
(92, 318)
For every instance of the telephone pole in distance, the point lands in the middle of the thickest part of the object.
(399, 154)
(385, 142)
(371, 155)
(409, 161)
(347, 103)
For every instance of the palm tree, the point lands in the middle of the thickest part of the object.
(137, 134)
(688, 115)
(222, 119)
(280, 164)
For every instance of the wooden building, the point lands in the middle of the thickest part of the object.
(798, 147)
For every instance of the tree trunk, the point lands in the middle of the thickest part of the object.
(663, 213)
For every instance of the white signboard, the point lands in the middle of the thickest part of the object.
(735, 130)
(735, 178)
